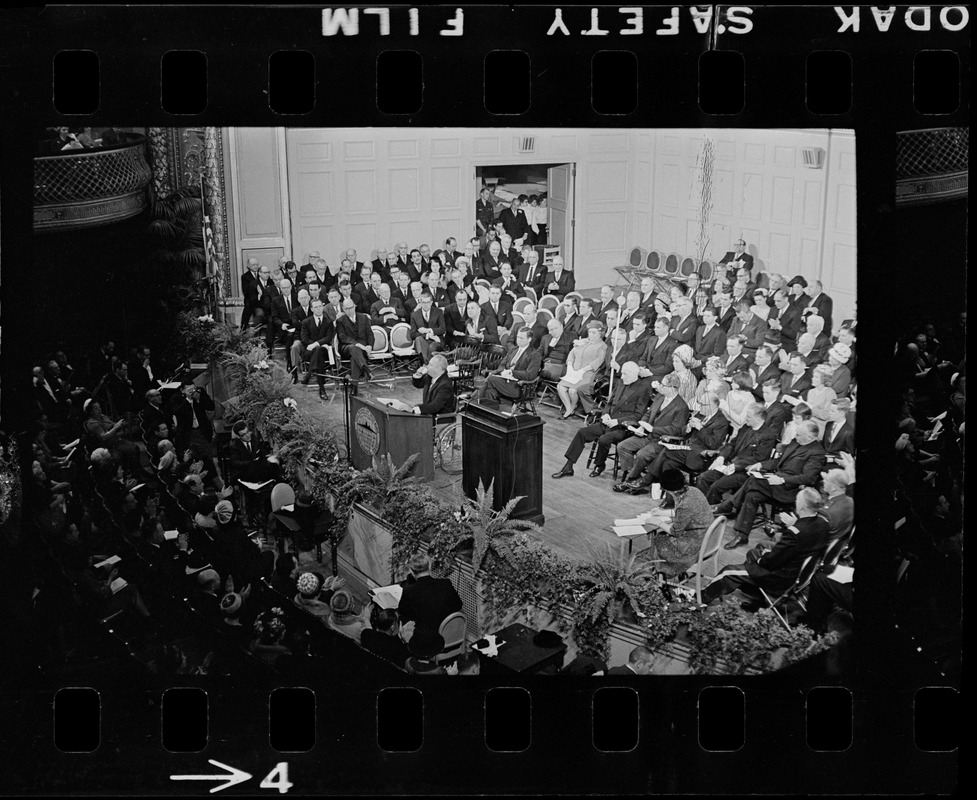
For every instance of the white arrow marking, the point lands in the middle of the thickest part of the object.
(233, 776)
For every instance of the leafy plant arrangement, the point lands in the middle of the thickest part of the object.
(531, 576)
(275, 417)
(258, 381)
(11, 493)
(491, 530)
(305, 447)
(415, 515)
(742, 641)
(611, 583)
(177, 227)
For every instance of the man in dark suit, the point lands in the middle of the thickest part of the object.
(280, 322)
(737, 255)
(735, 361)
(269, 291)
(555, 349)
(638, 337)
(668, 415)
(749, 325)
(247, 456)
(438, 396)
(725, 313)
(427, 601)
(317, 333)
(684, 323)
(656, 361)
(586, 316)
(559, 280)
(639, 663)
(456, 318)
(366, 293)
(490, 265)
(499, 310)
(534, 323)
(383, 639)
(355, 335)
(796, 381)
(482, 325)
(387, 311)
(785, 317)
(839, 434)
(707, 431)
(776, 413)
(509, 285)
(533, 275)
(193, 424)
(520, 363)
(765, 367)
(415, 267)
(427, 327)
(775, 569)
(484, 211)
(351, 256)
(514, 221)
(333, 303)
(817, 299)
(300, 312)
(627, 405)
(776, 480)
(710, 338)
(753, 442)
(379, 264)
(632, 308)
(606, 302)
(250, 291)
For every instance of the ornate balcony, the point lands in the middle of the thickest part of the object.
(85, 188)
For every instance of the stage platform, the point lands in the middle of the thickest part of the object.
(579, 510)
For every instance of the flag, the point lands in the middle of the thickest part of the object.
(213, 266)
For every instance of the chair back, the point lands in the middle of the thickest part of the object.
(688, 266)
(671, 264)
(281, 495)
(550, 302)
(521, 305)
(454, 629)
(763, 280)
(654, 261)
(492, 356)
(381, 342)
(709, 552)
(805, 575)
(400, 336)
(705, 271)
(530, 293)
(637, 256)
(482, 290)
(576, 295)
(544, 315)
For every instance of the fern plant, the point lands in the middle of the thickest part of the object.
(611, 581)
(488, 530)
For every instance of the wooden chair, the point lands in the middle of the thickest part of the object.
(492, 355)
(612, 453)
(454, 629)
(527, 396)
(795, 591)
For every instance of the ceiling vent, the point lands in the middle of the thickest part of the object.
(526, 144)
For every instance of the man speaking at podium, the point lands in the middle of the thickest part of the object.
(439, 394)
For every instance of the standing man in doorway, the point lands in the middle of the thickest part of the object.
(484, 212)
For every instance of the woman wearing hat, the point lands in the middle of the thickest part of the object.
(820, 395)
(680, 530)
(739, 399)
(425, 645)
(585, 358)
(713, 380)
(345, 617)
(840, 379)
(309, 585)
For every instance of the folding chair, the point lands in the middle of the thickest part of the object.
(804, 577)
(405, 357)
(708, 552)
(381, 349)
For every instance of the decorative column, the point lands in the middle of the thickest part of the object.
(163, 159)
(213, 177)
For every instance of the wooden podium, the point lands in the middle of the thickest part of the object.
(376, 429)
(508, 450)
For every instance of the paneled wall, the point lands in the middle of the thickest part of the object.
(795, 220)
(296, 190)
(259, 211)
(366, 187)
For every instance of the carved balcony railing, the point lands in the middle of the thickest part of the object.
(84, 188)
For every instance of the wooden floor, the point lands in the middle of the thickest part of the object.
(579, 510)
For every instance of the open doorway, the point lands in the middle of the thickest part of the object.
(551, 184)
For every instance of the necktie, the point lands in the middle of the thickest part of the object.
(248, 445)
(288, 303)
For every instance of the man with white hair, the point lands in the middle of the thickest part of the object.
(555, 348)
(776, 480)
(838, 506)
(684, 323)
(632, 308)
(607, 302)
(427, 327)
(379, 264)
(351, 255)
(438, 395)
(313, 257)
(819, 301)
(822, 342)
(514, 221)
(251, 291)
(627, 406)
(533, 274)
(280, 324)
(559, 280)
(774, 570)
(387, 311)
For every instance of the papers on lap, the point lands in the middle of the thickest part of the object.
(387, 596)
(842, 574)
(108, 562)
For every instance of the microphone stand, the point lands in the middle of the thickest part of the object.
(349, 452)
